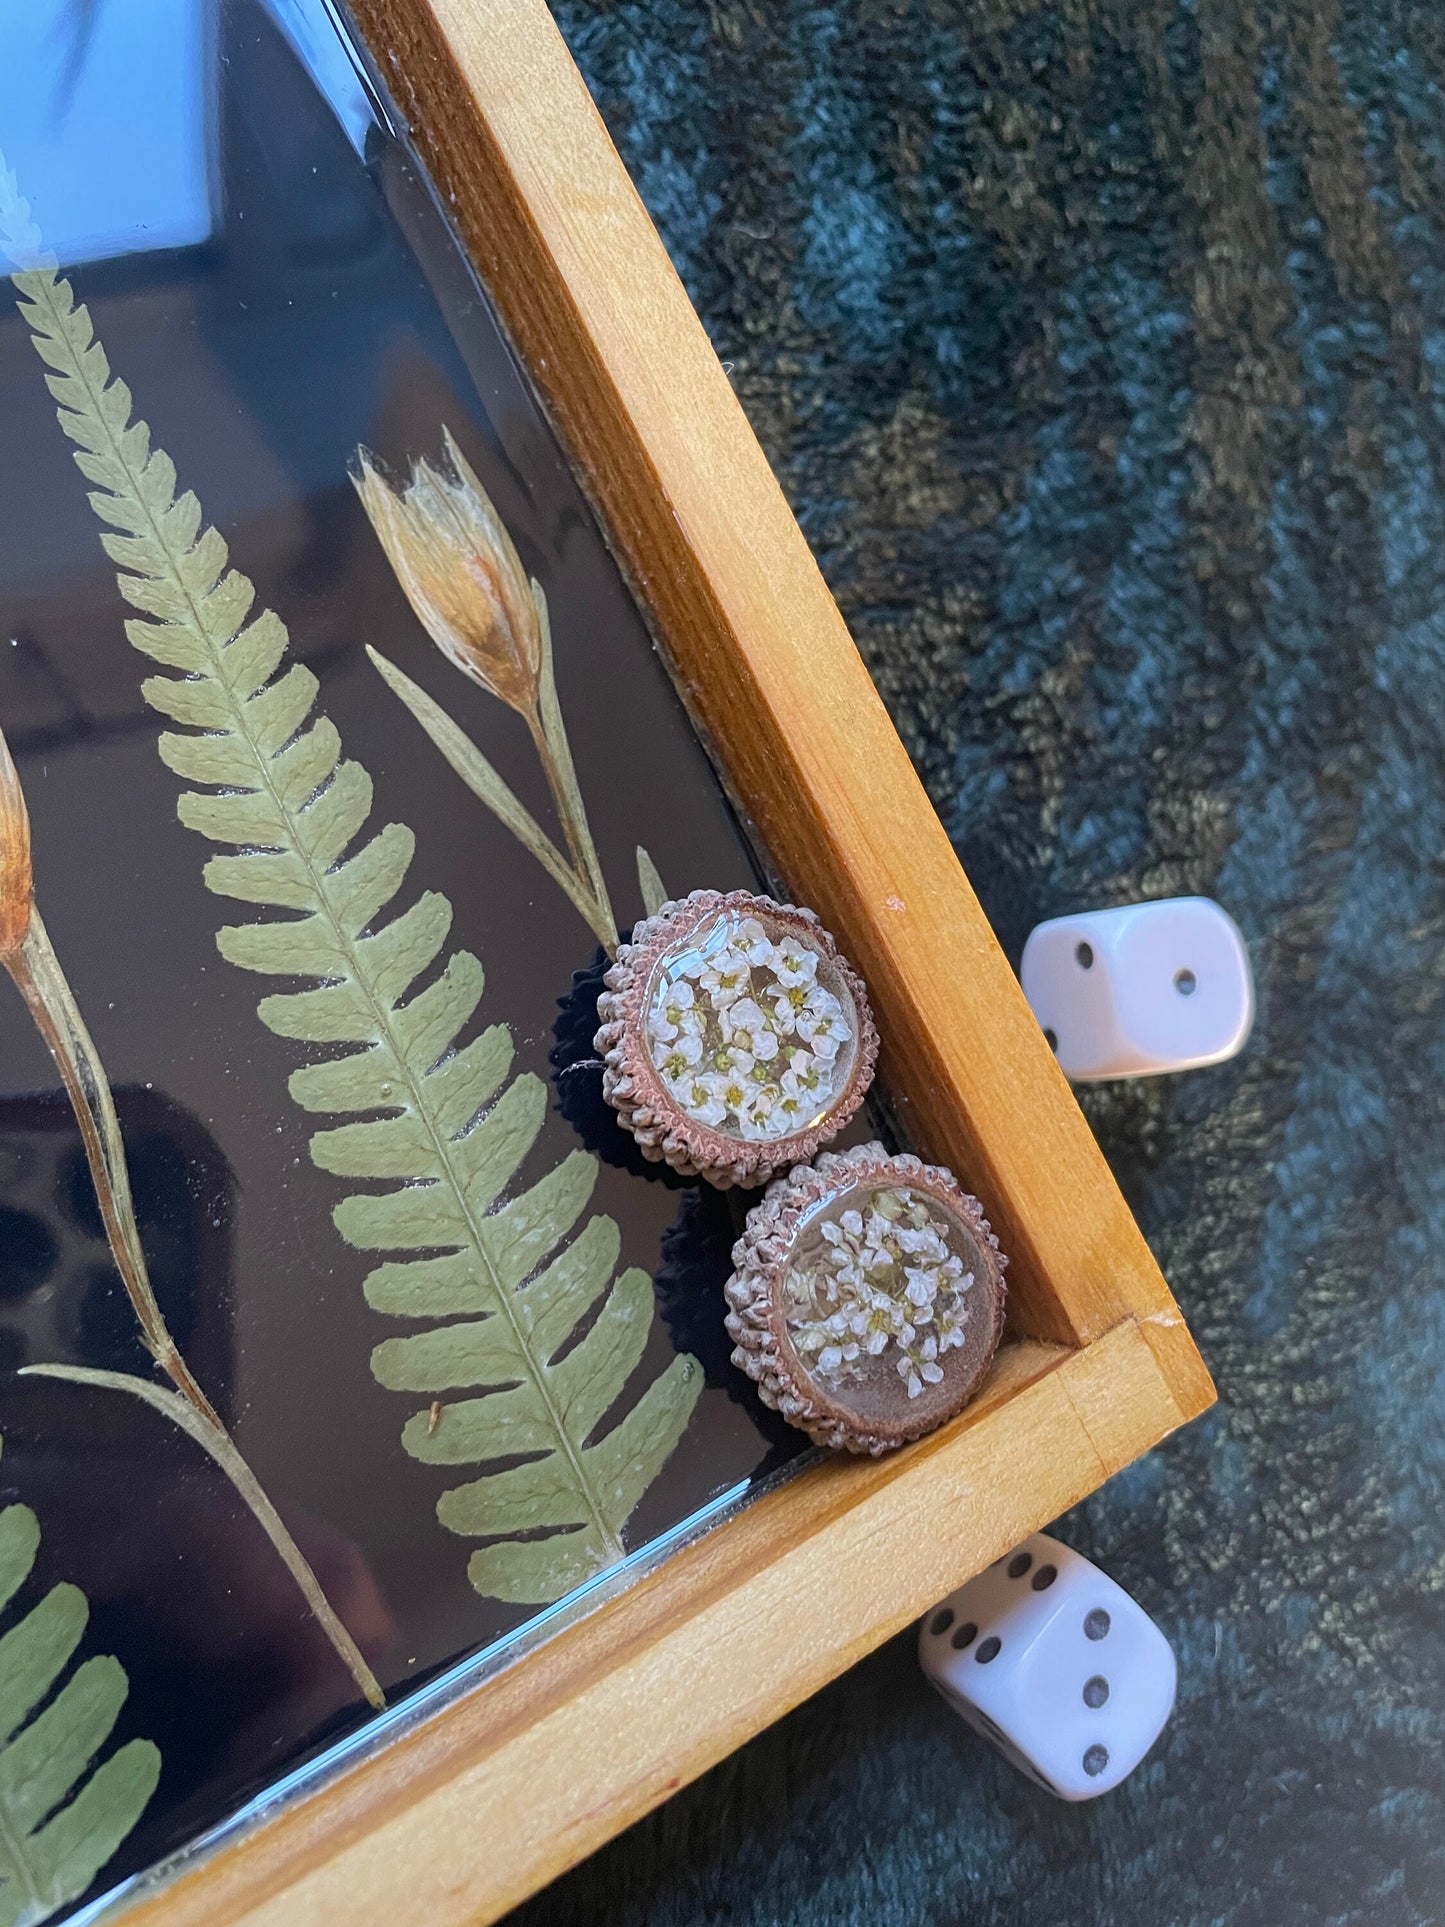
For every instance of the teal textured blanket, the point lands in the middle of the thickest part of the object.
(1101, 351)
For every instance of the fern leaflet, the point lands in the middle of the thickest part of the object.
(434, 1119)
(58, 1827)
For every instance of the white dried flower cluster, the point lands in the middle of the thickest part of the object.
(745, 1037)
(883, 1278)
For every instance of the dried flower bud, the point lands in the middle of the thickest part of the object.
(462, 576)
(17, 888)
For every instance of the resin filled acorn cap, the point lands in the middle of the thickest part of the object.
(735, 1038)
(867, 1298)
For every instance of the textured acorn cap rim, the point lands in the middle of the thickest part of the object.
(648, 1109)
(764, 1253)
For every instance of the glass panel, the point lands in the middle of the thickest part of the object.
(269, 275)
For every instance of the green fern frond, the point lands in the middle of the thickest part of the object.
(58, 1827)
(434, 1119)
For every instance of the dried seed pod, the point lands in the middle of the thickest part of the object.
(735, 1037)
(451, 553)
(17, 885)
(867, 1298)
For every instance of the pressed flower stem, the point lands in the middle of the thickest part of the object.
(556, 754)
(578, 840)
(218, 1444)
(487, 786)
(532, 718)
(38, 976)
(585, 869)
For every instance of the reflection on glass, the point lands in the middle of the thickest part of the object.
(331, 61)
(60, 1294)
(329, 309)
(108, 109)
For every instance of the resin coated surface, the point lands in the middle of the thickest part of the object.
(752, 1031)
(876, 1296)
(270, 277)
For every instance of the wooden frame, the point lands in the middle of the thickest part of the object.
(481, 1803)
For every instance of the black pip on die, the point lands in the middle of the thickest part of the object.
(1056, 1665)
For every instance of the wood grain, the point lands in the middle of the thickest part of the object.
(598, 314)
(471, 1811)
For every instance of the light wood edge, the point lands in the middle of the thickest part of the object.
(483, 1802)
(572, 261)
(458, 1820)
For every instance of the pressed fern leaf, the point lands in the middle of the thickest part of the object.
(58, 1827)
(506, 1377)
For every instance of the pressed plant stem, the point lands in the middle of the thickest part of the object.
(38, 976)
(218, 1444)
(556, 754)
(569, 828)
(487, 786)
(587, 873)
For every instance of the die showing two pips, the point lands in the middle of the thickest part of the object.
(1140, 989)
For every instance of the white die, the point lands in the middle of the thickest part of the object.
(1148, 987)
(1055, 1665)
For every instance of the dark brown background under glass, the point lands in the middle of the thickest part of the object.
(327, 308)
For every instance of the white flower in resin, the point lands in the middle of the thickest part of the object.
(675, 1012)
(867, 1297)
(793, 963)
(745, 1036)
(887, 1280)
(724, 979)
(735, 1038)
(700, 1096)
